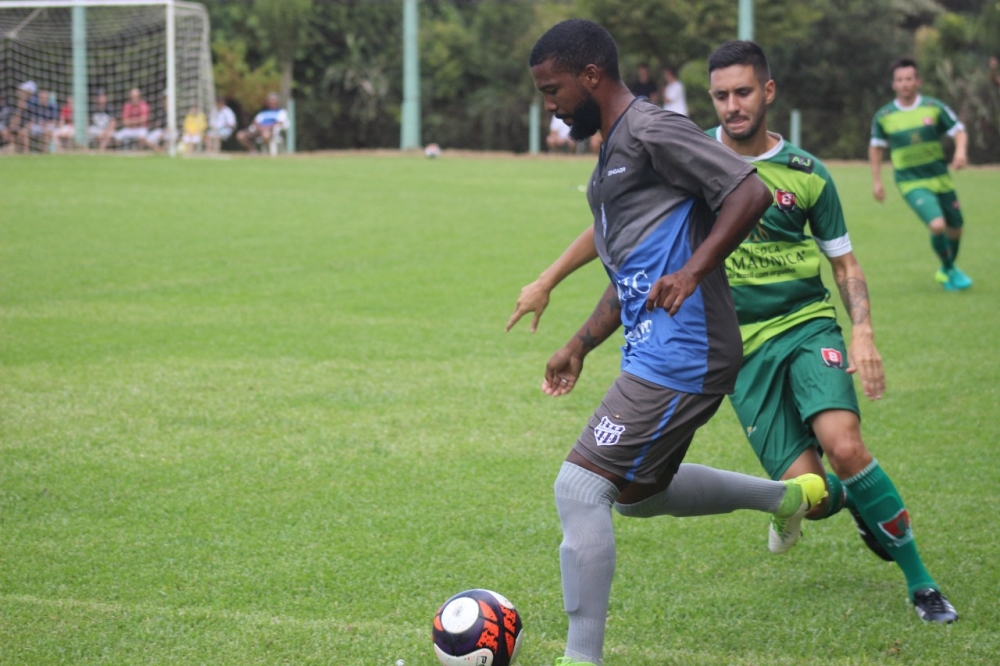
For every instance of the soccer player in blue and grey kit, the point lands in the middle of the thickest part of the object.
(669, 204)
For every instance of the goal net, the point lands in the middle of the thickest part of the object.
(103, 74)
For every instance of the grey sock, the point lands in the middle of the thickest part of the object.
(697, 490)
(586, 557)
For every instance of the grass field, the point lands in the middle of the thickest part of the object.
(263, 411)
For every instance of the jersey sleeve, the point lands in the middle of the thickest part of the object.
(690, 160)
(948, 122)
(826, 219)
(879, 139)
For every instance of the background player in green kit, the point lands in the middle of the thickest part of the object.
(911, 127)
(794, 395)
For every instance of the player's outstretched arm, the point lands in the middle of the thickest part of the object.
(875, 161)
(535, 296)
(862, 356)
(739, 212)
(565, 366)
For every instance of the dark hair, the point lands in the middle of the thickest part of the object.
(903, 62)
(741, 52)
(574, 44)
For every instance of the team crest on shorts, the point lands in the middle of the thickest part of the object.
(607, 433)
(785, 200)
(898, 528)
(832, 358)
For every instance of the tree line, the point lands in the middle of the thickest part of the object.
(341, 61)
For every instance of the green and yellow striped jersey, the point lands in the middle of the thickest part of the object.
(913, 136)
(775, 273)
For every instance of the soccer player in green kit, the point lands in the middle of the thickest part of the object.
(911, 127)
(794, 396)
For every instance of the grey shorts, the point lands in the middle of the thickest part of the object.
(641, 431)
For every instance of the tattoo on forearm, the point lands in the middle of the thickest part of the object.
(854, 294)
(588, 339)
(603, 322)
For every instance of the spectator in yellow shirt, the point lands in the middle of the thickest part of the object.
(195, 124)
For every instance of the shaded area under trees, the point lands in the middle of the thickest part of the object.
(342, 62)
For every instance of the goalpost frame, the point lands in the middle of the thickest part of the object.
(80, 57)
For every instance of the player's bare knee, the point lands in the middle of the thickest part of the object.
(936, 226)
(848, 456)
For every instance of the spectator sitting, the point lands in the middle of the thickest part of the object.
(221, 125)
(135, 119)
(65, 132)
(265, 124)
(102, 121)
(18, 116)
(194, 130)
(558, 138)
(160, 132)
(38, 122)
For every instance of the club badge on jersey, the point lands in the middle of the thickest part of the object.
(785, 200)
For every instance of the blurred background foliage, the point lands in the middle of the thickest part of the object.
(341, 60)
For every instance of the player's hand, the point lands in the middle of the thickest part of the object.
(561, 372)
(959, 161)
(670, 292)
(863, 358)
(533, 298)
(878, 192)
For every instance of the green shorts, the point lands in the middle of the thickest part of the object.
(784, 383)
(930, 206)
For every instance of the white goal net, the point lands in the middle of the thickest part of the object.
(103, 75)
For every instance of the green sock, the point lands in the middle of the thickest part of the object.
(953, 242)
(942, 248)
(838, 496)
(876, 499)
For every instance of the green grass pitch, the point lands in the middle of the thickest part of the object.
(263, 411)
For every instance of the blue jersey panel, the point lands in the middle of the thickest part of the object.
(665, 350)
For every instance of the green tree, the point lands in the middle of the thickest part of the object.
(282, 27)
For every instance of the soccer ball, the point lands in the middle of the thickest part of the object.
(477, 628)
(432, 150)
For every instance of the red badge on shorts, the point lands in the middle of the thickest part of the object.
(832, 358)
(785, 200)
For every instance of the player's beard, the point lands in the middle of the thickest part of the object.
(749, 132)
(586, 119)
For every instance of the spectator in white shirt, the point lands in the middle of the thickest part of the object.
(221, 125)
(674, 98)
(265, 124)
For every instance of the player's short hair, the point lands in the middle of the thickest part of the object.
(576, 43)
(902, 63)
(741, 52)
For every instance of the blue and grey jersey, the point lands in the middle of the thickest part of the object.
(658, 184)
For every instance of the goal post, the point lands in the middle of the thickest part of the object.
(98, 52)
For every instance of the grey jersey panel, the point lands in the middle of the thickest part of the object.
(652, 162)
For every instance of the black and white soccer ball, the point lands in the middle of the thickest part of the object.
(477, 628)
